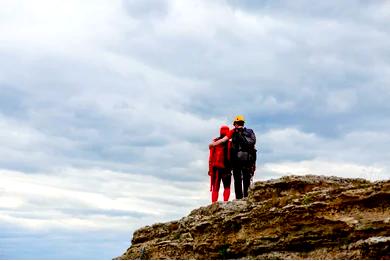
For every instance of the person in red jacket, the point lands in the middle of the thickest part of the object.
(219, 167)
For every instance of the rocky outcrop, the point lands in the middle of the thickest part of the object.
(295, 217)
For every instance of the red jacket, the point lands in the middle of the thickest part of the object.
(219, 155)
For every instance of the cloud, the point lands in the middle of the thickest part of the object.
(149, 9)
(327, 168)
(106, 108)
(94, 207)
(67, 198)
(56, 244)
(355, 147)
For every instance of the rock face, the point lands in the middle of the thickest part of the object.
(295, 217)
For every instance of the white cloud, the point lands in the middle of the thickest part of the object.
(85, 199)
(327, 168)
(10, 202)
(341, 101)
(59, 27)
(107, 107)
(361, 147)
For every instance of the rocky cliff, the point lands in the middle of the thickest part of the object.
(295, 217)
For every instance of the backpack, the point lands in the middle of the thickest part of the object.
(243, 146)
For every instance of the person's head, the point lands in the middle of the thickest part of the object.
(239, 121)
(224, 130)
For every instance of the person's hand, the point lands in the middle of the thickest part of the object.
(253, 169)
(211, 145)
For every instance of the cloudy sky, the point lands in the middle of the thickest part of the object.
(107, 108)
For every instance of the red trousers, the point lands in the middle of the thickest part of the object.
(218, 175)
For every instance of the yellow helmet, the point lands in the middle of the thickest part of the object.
(239, 118)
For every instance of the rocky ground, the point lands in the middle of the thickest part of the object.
(295, 217)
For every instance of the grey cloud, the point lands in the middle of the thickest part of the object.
(303, 9)
(297, 72)
(149, 9)
(75, 212)
(56, 244)
(12, 103)
(148, 98)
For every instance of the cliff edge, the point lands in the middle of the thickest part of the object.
(294, 217)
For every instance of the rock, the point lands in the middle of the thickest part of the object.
(295, 217)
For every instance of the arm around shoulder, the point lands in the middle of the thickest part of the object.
(216, 143)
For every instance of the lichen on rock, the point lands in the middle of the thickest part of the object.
(294, 217)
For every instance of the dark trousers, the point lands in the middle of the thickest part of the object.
(221, 174)
(242, 180)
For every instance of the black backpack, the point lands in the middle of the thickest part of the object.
(243, 146)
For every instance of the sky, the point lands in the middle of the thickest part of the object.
(107, 108)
